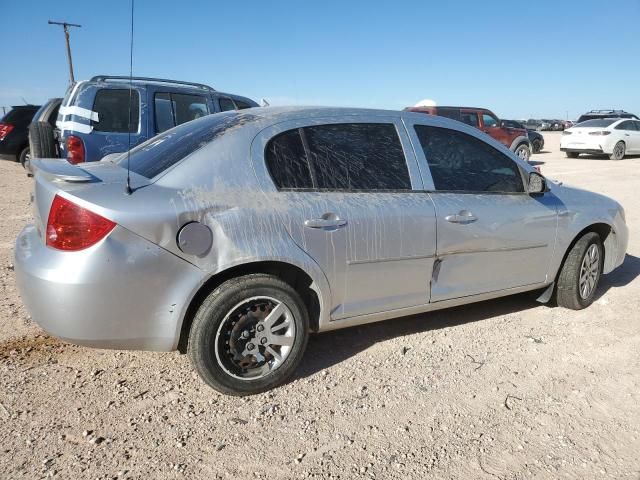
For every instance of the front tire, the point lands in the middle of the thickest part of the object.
(619, 151)
(523, 151)
(580, 274)
(249, 335)
(537, 146)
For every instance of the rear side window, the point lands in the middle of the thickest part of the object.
(463, 163)
(226, 104)
(287, 161)
(112, 106)
(165, 150)
(626, 125)
(242, 105)
(354, 156)
(173, 109)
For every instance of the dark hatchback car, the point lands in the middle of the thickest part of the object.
(14, 132)
(536, 138)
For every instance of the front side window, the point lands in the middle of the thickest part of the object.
(470, 118)
(112, 107)
(489, 120)
(463, 163)
(352, 156)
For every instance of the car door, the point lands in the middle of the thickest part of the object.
(631, 135)
(492, 236)
(349, 194)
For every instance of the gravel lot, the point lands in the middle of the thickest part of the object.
(506, 389)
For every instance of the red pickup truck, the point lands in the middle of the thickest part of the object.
(515, 139)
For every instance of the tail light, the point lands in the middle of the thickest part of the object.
(600, 132)
(75, 149)
(72, 227)
(5, 128)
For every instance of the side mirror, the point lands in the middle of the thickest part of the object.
(537, 183)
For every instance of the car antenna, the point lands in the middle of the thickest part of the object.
(128, 189)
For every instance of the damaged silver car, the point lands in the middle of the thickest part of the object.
(245, 231)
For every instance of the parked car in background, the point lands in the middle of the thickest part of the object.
(568, 124)
(536, 139)
(515, 139)
(14, 132)
(615, 137)
(546, 125)
(94, 117)
(247, 230)
(41, 144)
(595, 114)
(557, 125)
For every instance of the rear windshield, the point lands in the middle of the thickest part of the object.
(20, 117)
(600, 122)
(162, 151)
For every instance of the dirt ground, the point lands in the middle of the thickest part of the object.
(506, 389)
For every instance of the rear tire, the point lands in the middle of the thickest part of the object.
(41, 140)
(619, 151)
(227, 346)
(580, 273)
(572, 154)
(523, 151)
(23, 157)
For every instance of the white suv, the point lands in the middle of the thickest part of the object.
(615, 137)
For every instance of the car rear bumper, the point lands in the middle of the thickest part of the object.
(124, 292)
(592, 151)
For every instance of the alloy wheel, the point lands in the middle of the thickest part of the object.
(589, 271)
(255, 338)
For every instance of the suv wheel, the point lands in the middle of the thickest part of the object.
(523, 151)
(572, 154)
(580, 274)
(618, 151)
(537, 146)
(249, 335)
(41, 140)
(24, 157)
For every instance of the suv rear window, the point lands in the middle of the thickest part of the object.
(20, 117)
(165, 150)
(112, 106)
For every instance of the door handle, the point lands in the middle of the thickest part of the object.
(328, 220)
(462, 217)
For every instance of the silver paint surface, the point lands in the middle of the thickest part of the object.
(395, 255)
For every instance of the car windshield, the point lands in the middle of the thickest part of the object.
(162, 151)
(598, 123)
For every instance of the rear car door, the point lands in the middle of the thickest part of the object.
(492, 236)
(171, 108)
(348, 192)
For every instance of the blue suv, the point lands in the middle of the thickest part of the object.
(93, 120)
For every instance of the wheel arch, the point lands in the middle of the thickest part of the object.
(609, 242)
(292, 274)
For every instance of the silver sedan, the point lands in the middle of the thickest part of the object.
(242, 232)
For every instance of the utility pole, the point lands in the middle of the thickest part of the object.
(66, 26)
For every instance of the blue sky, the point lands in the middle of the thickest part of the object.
(520, 59)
